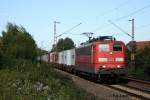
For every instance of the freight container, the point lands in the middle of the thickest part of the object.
(69, 57)
(61, 57)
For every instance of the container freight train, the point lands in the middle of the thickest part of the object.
(100, 58)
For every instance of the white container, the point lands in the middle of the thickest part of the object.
(69, 57)
(51, 57)
(61, 57)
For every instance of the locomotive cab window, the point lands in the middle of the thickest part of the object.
(117, 48)
(104, 47)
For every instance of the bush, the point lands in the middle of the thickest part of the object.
(142, 62)
(34, 81)
(18, 43)
(0, 58)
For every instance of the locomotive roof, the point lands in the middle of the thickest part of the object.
(100, 42)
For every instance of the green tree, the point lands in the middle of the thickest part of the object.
(143, 60)
(18, 43)
(0, 51)
(63, 44)
(68, 44)
(60, 45)
(128, 58)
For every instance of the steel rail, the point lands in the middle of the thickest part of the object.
(139, 96)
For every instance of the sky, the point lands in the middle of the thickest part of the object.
(38, 17)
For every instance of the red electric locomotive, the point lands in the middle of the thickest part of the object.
(103, 56)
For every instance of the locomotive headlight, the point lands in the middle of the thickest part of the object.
(119, 59)
(111, 53)
(104, 66)
(118, 66)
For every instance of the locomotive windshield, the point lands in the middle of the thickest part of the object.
(117, 48)
(104, 47)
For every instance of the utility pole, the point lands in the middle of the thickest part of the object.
(133, 46)
(132, 20)
(55, 37)
(133, 43)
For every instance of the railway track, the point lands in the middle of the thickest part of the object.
(115, 91)
(131, 91)
(134, 87)
(137, 80)
(140, 85)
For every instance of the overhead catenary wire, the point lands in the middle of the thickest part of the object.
(98, 28)
(66, 32)
(132, 13)
(143, 26)
(140, 27)
(119, 28)
(116, 8)
(110, 11)
(125, 16)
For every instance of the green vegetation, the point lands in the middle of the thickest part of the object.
(63, 44)
(142, 64)
(24, 78)
(16, 43)
(34, 81)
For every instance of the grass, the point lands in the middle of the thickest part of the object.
(34, 81)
